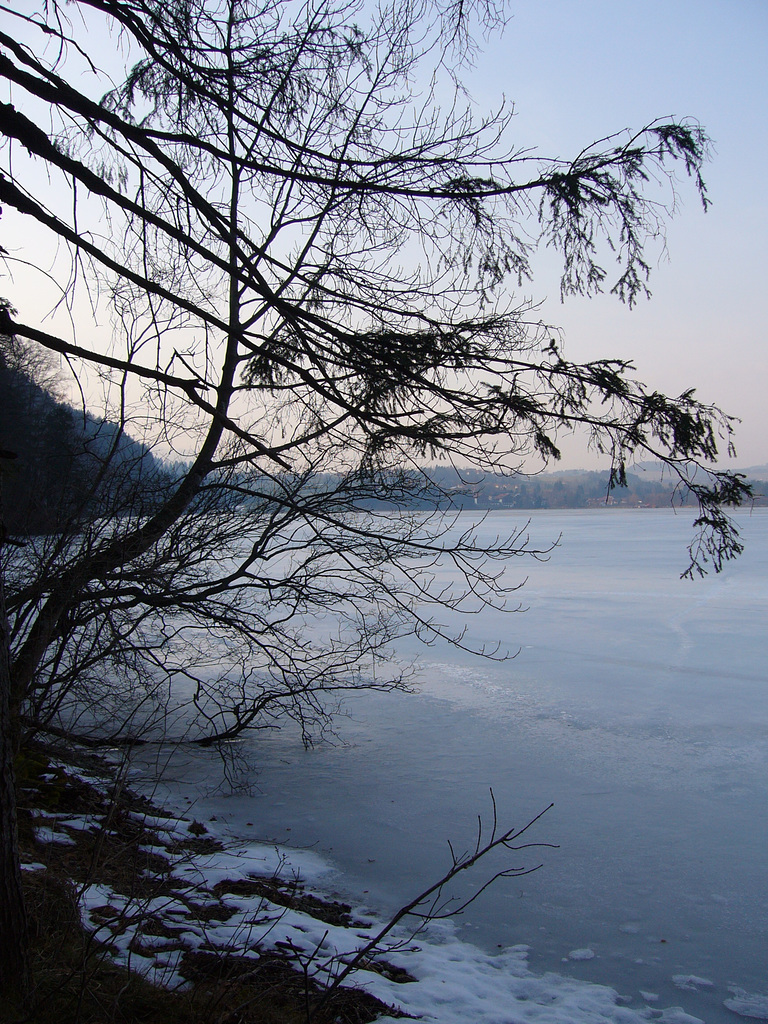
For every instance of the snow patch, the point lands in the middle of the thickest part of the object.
(753, 1005)
(691, 982)
(46, 834)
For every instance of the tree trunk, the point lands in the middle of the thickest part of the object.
(14, 969)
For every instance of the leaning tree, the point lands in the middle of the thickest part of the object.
(304, 240)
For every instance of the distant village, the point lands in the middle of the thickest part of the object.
(646, 487)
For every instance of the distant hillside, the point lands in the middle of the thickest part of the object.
(66, 465)
(756, 472)
(657, 470)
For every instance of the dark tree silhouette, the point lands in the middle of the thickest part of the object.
(13, 918)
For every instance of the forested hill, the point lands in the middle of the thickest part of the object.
(61, 465)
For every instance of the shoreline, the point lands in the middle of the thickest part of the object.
(188, 911)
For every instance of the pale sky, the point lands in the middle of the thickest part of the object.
(577, 70)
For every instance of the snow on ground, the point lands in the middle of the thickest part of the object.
(47, 834)
(57, 828)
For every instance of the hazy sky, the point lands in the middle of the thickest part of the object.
(577, 70)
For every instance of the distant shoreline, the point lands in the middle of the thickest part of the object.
(646, 487)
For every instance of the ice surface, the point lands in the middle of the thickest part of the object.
(638, 704)
(675, 1015)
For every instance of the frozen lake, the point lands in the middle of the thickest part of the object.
(638, 704)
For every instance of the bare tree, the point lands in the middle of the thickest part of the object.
(305, 242)
(306, 267)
